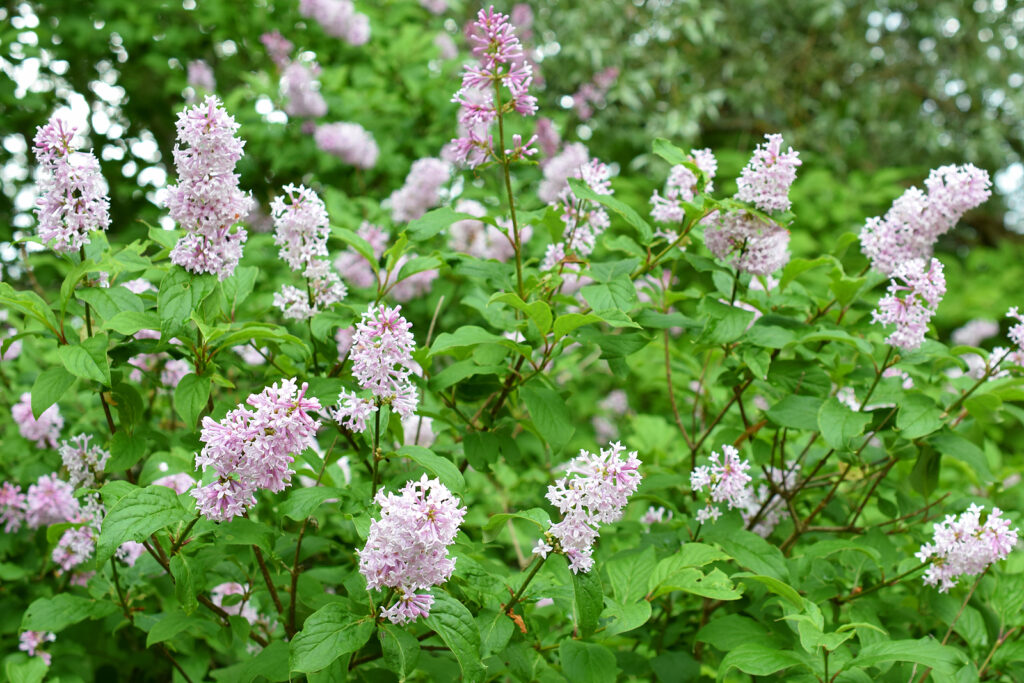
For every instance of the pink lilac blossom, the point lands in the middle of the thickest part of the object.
(975, 332)
(916, 220)
(682, 186)
(592, 94)
(584, 220)
(559, 169)
(964, 546)
(173, 372)
(548, 139)
(766, 509)
(129, 552)
(12, 507)
(13, 349)
(407, 548)
(445, 46)
(411, 286)
(501, 67)
(200, 76)
(435, 6)
(301, 91)
(73, 195)
(31, 642)
(343, 338)
(300, 226)
(726, 480)
(338, 18)
(278, 47)
(418, 431)
(595, 490)
(912, 299)
(179, 483)
(243, 609)
(350, 142)
(421, 191)
(74, 547)
(139, 285)
(481, 239)
(252, 449)
(45, 430)
(83, 462)
(766, 178)
(50, 501)
(206, 202)
(752, 245)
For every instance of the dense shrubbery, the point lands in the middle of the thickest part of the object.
(424, 391)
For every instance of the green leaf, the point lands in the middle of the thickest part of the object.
(29, 304)
(924, 477)
(270, 664)
(955, 446)
(588, 598)
(49, 387)
(450, 619)
(538, 311)
(130, 322)
(441, 467)
(550, 415)
(537, 516)
(670, 571)
(495, 630)
(926, 652)
(301, 503)
(838, 424)
(401, 650)
(239, 286)
(669, 152)
(918, 416)
(470, 335)
(796, 412)
(57, 613)
(135, 516)
(624, 210)
(725, 324)
(190, 398)
(185, 588)
(749, 550)
(798, 266)
(353, 240)
(433, 222)
(566, 323)
(110, 301)
(181, 293)
(171, 625)
(780, 588)
(758, 660)
(329, 633)
(88, 360)
(587, 662)
(25, 669)
(618, 294)
(125, 450)
(715, 585)
(629, 573)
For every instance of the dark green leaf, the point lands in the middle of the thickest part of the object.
(329, 633)
(587, 662)
(49, 387)
(137, 515)
(190, 397)
(450, 619)
(441, 467)
(550, 415)
(62, 610)
(88, 360)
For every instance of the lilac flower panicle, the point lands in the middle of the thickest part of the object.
(974, 332)
(964, 546)
(766, 179)
(338, 18)
(207, 202)
(726, 480)
(179, 482)
(31, 642)
(912, 299)
(350, 142)
(200, 76)
(300, 226)
(50, 501)
(916, 220)
(753, 245)
(681, 186)
(74, 547)
(278, 47)
(421, 191)
(253, 449)
(407, 548)
(72, 193)
(12, 507)
(43, 431)
(301, 91)
(84, 462)
(596, 490)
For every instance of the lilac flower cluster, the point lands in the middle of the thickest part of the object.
(252, 449)
(598, 493)
(481, 239)
(350, 142)
(206, 202)
(244, 608)
(407, 548)
(359, 272)
(277, 46)
(31, 642)
(727, 482)
(200, 76)
(592, 94)
(501, 65)
(913, 297)
(43, 431)
(421, 191)
(754, 246)
(682, 186)
(917, 219)
(766, 178)
(338, 18)
(301, 91)
(765, 508)
(301, 229)
(656, 515)
(73, 195)
(83, 462)
(584, 220)
(382, 363)
(964, 546)
(974, 332)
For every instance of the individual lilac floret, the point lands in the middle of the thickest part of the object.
(917, 219)
(682, 186)
(206, 202)
(753, 245)
(963, 546)
(766, 178)
(913, 297)
(338, 18)
(43, 431)
(500, 69)
(72, 193)
(727, 482)
(12, 507)
(350, 142)
(975, 332)
(83, 462)
(598, 493)
(252, 449)
(31, 643)
(421, 191)
(407, 548)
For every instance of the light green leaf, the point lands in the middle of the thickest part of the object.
(550, 415)
(88, 360)
(135, 516)
(401, 650)
(49, 387)
(538, 311)
(450, 619)
(57, 613)
(587, 662)
(329, 633)
(190, 398)
(441, 467)
(838, 424)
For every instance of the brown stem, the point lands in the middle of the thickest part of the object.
(672, 394)
(267, 580)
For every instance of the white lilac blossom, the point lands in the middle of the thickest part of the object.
(726, 480)
(50, 501)
(418, 431)
(753, 245)
(301, 91)
(45, 430)
(338, 18)
(682, 186)
(72, 193)
(916, 220)
(964, 546)
(84, 462)
(139, 285)
(765, 509)
(252, 449)
(348, 141)
(407, 548)
(74, 547)
(912, 299)
(207, 202)
(343, 338)
(501, 71)
(766, 178)
(974, 332)
(656, 515)
(31, 643)
(129, 552)
(595, 490)
(421, 191)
